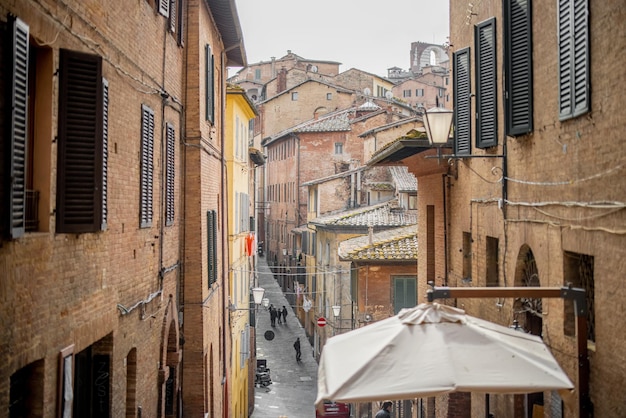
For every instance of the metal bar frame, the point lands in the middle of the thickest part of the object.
(567, 292)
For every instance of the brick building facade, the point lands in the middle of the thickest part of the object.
(529, 193)
(111, 144)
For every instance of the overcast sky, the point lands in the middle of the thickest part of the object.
(365, 34)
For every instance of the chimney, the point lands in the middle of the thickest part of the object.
(281, 83)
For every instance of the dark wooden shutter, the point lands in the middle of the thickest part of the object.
(18, 128)
(180, 32)
(170, 169)
(147, 165)
(79, 168)
(209, 78)
(573, 58)
(430, 243)
(486, 88)
(518, 66)
(462, 102)
(212, 245)
(105, 150)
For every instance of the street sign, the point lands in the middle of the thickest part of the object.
(321, 321)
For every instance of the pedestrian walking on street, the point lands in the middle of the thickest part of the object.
(284, 313)
(296, 345)
(385, 411)
(273, 315)
(279, 315)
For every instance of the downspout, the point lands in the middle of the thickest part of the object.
(445, 183)
(226, 261)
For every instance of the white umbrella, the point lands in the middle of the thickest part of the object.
(430, 350)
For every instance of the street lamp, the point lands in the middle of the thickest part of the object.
(257, 295)
(336, 310)
(265, 302)
(438, 122)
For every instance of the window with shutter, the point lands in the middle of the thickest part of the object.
(170, 169)
(462, 102)
(180, 16)
(212, 246)
(105, 149)
(18, 129)
(486, 111)
(404, 292)
(573, 50)
(173, 21)
(518, 67)
(209, 81)
(147, 166)
(80, 144)
(164, 7)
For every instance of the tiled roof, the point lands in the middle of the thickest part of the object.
(333, 123)
(405, 181)
(334, 176)
(390, 244)
(387, 214)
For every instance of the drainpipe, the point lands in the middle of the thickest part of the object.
(445, 183)
(226, 261)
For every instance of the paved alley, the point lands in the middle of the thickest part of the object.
(294, 385)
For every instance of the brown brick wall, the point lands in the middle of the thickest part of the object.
(572, 161)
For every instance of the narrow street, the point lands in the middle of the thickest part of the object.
(294, 385)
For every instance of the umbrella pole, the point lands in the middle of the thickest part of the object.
(577, 295)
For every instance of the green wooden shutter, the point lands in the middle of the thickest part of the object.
(169, 174)
(147, 165)
(18, 128)
(404, 293)
(486, 88)
(462, 102)
(79, 167)
(518, 67)
(209, 84)
(573, 50)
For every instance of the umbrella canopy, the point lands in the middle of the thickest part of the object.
(430, 350)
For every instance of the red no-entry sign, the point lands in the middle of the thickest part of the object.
(321, 321)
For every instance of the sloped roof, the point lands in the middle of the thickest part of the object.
(386, 214)
(388, 245)
(227, 21)
(334, 176)
(405, 181)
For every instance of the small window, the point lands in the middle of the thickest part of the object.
(329, 96)
(491, 261)
(467, 257)
(419, 92)
(578, 270)
(406, 93)
(412, 202)
(257, 74)
(404, 293)
(338, 148)
(294, 96)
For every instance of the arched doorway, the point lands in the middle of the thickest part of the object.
(528, 316)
